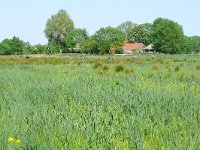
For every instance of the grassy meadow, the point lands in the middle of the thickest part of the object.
(97, 102)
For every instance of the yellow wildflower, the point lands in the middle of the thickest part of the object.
(18, 141)
(10, 140)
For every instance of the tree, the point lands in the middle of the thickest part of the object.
(141, 34)
(57, 28)
(41, 49)
(11, 46)
(167, 36)
(126, 27)
(191, 44)
(90, 45)
(5, 48)
(75, 38)
(108, 39)
(53, 47)
(196, 39)
(29, 49)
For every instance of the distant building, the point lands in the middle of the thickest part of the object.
(149, 49)
(130, 48)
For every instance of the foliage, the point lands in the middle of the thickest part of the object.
(119, 68)
(126, 27)
(190, 45)
(167, 36)
(53, 47)
(41, 49)
(29, 49)
(108, 39)
(75, 38)
(196, 40)
(11, 46)
(90, 46)
(57, 28)
(141, 34)
(35, 49)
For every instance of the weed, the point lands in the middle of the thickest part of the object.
(198, 67)
(177, 68)
(155, 67)
(98, 65)
(182, 77)
(105, 68)
(119, 68)
(150, 75)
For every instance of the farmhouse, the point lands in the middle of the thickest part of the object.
(149, 49)
(130, 48)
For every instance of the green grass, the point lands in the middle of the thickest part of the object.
(84, 103)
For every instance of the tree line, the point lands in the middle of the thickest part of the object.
(166, 36)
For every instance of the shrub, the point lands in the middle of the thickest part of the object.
(105, 68)
(182, 77)
(177, 68)
(198, 67)
(155, 67)
(27, 57)
(150, 75)
(118, 51)
(119, 68)
(98, 65)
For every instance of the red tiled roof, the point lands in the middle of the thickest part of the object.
(133, 46)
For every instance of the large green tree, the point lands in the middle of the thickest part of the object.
(29, 49)
(191, 44)
(57, 28)
(108, 39)
(11, 46)
(167, 36)
(126, 27)
(75, 38)
(196, 40)
(141, 34)
(90, 46)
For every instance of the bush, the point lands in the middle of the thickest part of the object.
(11, 46)
(155, 67)
(118, 51)
(177, 68)
(182, 77)
(119, 68)
(198, 67)
(105, 68)
(98, 65)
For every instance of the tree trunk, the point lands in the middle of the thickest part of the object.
(60, 51)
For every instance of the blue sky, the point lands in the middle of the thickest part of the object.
(27, 18)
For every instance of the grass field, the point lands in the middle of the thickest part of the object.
(96, 102)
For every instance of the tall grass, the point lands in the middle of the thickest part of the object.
(70, 106)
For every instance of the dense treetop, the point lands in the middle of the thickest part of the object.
(108, 39)
(127, 27)
(57, 28)
(167, 36)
